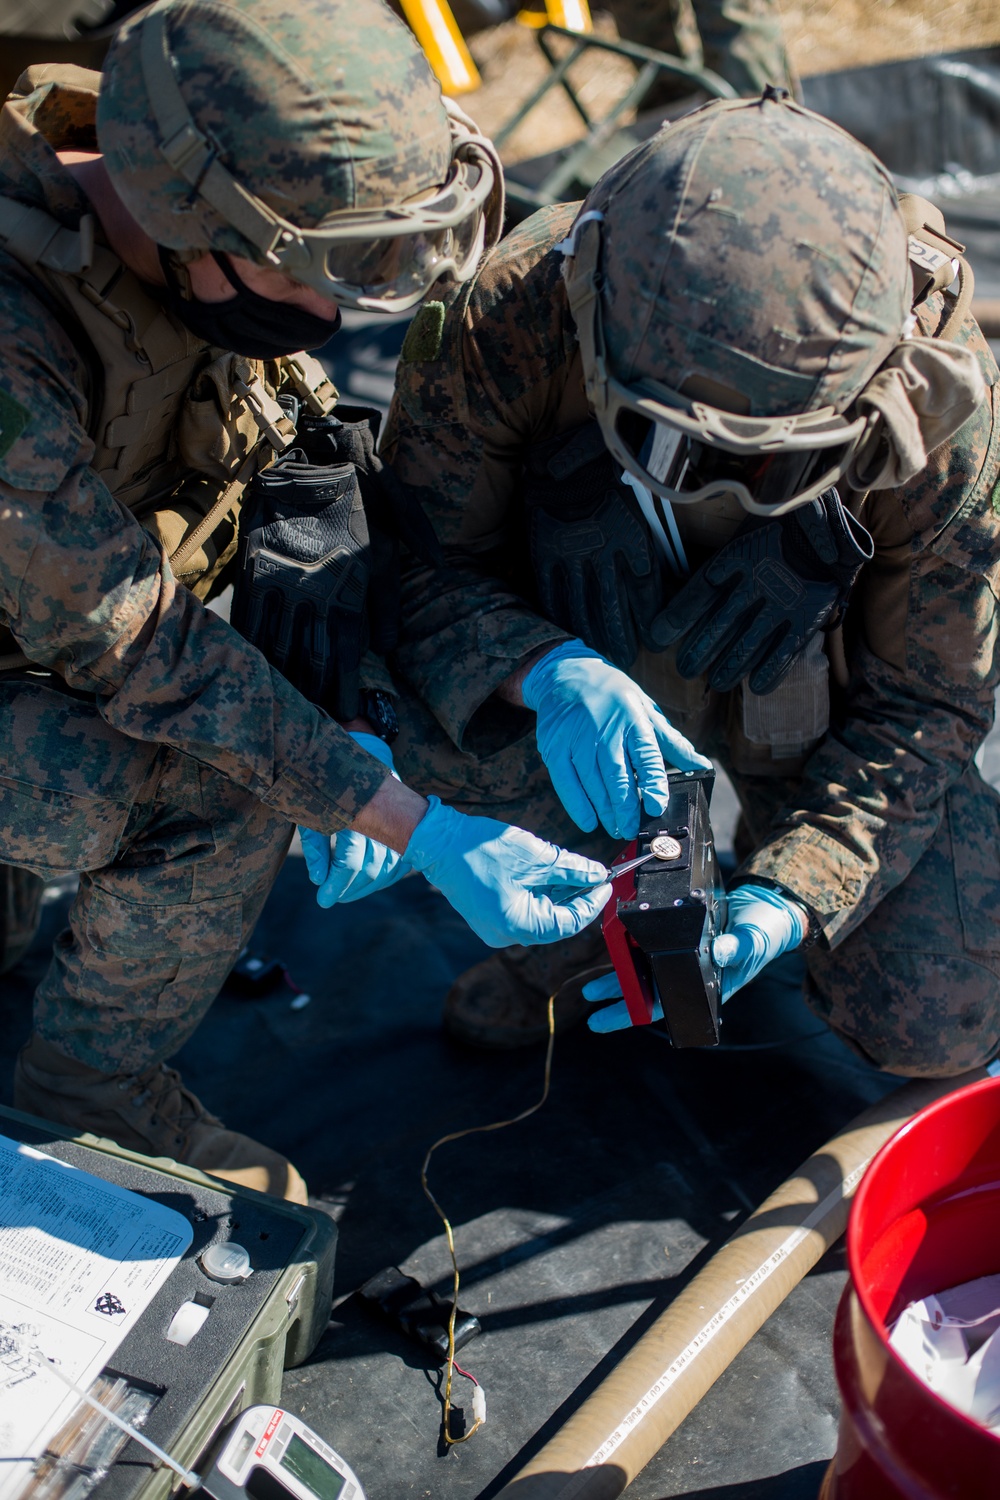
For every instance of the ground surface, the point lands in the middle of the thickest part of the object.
(821, 35)
(572, 1228)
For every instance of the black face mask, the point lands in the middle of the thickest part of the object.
(248, 323)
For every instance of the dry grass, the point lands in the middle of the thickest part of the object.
(826, 35)
(822, 36)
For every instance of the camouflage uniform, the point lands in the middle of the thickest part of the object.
(155, 751)
(740, 40)
(880, 824)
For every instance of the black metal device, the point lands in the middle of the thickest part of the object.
(661, 920)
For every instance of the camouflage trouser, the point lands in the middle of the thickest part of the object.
(915, 988)
(175, 863)
(738, 39)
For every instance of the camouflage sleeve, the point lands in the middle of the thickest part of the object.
(922, 635)
(87, 593)
(477, 381)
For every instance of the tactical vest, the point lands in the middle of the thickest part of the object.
(178, 427)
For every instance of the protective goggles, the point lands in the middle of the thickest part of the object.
(687, 451)
(382, 259)
(388, 259)
(690, 452)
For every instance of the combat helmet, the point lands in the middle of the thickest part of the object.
(738, 282)
(308, 136)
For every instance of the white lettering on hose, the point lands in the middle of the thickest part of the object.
(705, 1335)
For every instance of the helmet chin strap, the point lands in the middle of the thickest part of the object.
(567, 247)
(581, 259)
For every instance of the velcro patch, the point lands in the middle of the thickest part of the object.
(14, 418)
(423, 337)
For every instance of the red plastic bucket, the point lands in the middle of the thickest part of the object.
(926, 1217)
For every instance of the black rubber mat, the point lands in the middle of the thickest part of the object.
(573, 1228)
(935, 122)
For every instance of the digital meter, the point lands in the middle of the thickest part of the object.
(271, 1455)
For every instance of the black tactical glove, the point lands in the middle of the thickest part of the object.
(595, 566)
(304, 565)
(349, 435)
(753, 606)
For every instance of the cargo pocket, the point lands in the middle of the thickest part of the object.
(56, 832)
(170, 958)
(67, 780)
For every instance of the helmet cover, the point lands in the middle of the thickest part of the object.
(312, 106)
(754, 248)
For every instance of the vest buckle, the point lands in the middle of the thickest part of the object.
(273, 423)
(313, 386)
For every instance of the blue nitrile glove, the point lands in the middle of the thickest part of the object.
(502, 879)
(761, 924)
(349, 866)
(603, 741)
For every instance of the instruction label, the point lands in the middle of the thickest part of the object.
(80, 1261)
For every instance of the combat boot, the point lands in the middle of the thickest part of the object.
(502, 1002)
(151, 1112)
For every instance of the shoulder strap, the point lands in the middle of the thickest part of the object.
(936, 259)
(35, 238)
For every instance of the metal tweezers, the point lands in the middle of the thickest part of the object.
(630, 864)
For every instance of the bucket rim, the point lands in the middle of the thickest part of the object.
(857, 1283)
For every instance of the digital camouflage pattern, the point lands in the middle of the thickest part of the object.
(155, 930)
(763, 195)
(302, 99)
(164, 758)
(738, 39)
(881, 827)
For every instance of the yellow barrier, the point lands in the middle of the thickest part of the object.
(573, 14)
(433, 25)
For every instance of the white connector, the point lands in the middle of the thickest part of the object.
(479, 1405)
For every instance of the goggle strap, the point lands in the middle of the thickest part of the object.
(188, 151)
(465, 142)
(580, 271)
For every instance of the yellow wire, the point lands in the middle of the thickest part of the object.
(457, 1135)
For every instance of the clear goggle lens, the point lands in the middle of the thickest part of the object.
(684, 469)
(400, 267)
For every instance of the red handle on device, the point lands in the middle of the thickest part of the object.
(625, 953)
